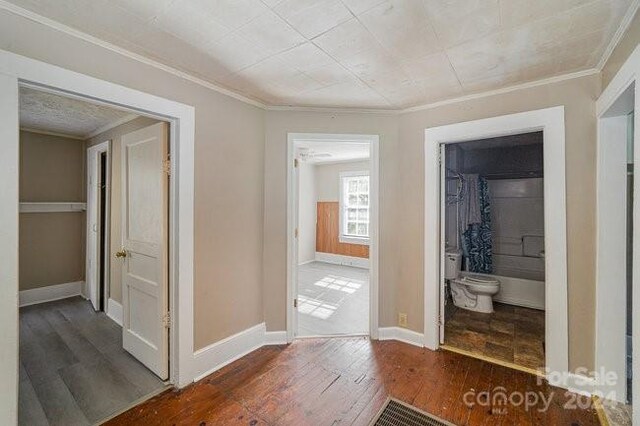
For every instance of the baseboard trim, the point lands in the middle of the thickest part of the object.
(223, 352)
(402, 335)
(576, 383)
(114, 311)
(50, 293)
(338, 259)
(275, 338)
(217, 355)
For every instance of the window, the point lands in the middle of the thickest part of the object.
(354, 207)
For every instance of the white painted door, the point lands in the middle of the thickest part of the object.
(145, 247)
(92, 267)
(443, 212)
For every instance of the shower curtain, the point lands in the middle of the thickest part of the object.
(476, 238)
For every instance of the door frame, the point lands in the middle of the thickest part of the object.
(292, 215)
(97, 150)
(551, 122)
(610, 338)
(23, 71)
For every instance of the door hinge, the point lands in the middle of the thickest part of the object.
(166, 320)
(295, 162)
(295, 233)
(295, 303)
(166, 166)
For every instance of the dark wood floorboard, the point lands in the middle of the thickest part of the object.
(347, 380)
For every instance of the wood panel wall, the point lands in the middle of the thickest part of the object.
(327, 232)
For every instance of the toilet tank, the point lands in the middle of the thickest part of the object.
(452, 262)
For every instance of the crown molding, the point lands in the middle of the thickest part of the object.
(333, 110)
(47, 133)
(516, 87)
(622, 29)
(127, 118)
(17, 10)
(330, 110)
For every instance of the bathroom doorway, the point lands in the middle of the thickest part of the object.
(493, 283)
(550, 122)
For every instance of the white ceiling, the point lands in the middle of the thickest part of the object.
(353, 53)
(47, 112)
(318, 152)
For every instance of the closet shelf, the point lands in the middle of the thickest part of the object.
(58, 207)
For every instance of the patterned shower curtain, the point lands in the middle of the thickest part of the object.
(476, 239)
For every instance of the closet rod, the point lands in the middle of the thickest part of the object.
(52, 207)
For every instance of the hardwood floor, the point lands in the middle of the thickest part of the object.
(347, 380)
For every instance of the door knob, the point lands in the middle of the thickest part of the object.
(121, 253)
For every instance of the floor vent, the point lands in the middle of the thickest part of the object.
(397, 413)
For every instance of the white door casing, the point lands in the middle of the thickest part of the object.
(620, 97)
(145, 241)
(92, 280)
(443, 213)
(9, 199)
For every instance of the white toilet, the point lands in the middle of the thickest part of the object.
(470, 291)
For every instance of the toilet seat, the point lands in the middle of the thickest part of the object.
(478, 280)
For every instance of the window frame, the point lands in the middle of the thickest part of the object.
(342, 237)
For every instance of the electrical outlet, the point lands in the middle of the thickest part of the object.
(402, 319)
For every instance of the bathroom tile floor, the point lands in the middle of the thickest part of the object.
(511, 333)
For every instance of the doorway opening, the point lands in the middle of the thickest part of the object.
(333, 229)
(493, 281)
(83, 318)
(103, 226)
(550, 123)
(616, 249)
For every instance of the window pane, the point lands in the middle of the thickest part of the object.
(363, 229)
(363, 214)
(353, 200)
(363, 185)
(352, 214)
(353, 185)
(364, 199)
(351, 228)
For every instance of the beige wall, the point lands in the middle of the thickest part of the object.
(402, 210)
(115, 230)
(51, 168)
(306, 212)
(229, 166)
(622, 51)
(328, 178)
(51, 244)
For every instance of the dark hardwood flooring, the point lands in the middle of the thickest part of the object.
(346, 381)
